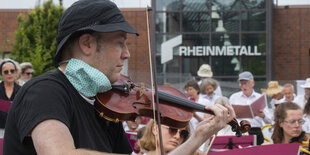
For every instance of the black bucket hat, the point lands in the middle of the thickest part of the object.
(90, 15)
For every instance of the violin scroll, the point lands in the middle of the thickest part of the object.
(239, 129)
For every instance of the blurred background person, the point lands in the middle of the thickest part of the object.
(26, 73)
(171, 138)
(288, 118)
(205, 72)
(301, 100)
(306, 116)
(274, 91)
(134, 126)
(289, 93)
(140, 150)
(207, 88)
(247, 96)
(8, 88)
(193, 92)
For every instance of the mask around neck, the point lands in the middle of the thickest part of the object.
(87, 80)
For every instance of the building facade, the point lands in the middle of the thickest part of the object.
(231, 36)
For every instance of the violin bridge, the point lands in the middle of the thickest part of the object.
(141, 90)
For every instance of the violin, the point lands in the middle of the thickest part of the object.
(302, 140)
(127, 100)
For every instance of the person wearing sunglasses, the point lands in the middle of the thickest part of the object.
(171, 138)
(26, 73)
(288, 118)
(8, 88)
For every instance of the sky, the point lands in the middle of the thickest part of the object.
(29, 4)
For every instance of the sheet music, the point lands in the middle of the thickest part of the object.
(250, 111)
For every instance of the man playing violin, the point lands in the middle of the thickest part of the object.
(54, 113)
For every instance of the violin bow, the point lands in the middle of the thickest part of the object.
(152, 57)
(211, 143)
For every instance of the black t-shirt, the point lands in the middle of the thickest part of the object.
(52, 96)
(3, 114)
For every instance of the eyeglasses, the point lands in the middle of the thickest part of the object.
(29, 73)
(173, 131)
(6, 72)
(293, 122)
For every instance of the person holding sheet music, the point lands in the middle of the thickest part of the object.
(245, 97)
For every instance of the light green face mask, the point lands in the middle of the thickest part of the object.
(87, 80)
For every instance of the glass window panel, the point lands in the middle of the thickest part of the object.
(253, 21)
(196, 22)
(255, 64)
(167, 5)
(167, 22)
(195, 5)
(228, 22)
(225, 65)
(258, 40)
(191, 64)
(160, 38)
(226, 4)
(225, 39)
(253, 4)
(195, 40)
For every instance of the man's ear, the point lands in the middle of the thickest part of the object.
(87, 43)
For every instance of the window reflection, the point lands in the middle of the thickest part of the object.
(253, 4)
(227, 4)
(254, 21)
(167, 22)
(196, 5)
(196, 22)
(167, 5)
(255, 64)
(230, 22)
(258, 40)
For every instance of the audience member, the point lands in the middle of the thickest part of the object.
(288, 123)
(171, 138)
(306, 116)
(205, 72)
(8, 87)
(26, 73)
(207, 88)
(289, 93)
(138, 147)
(274, 91)
(301, 100)
(245, 97)
(134, 126)
(193, 93)
(54, 113)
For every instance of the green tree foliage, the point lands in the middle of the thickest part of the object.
(36, 37)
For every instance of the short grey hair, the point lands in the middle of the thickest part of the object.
(288, 85)
(25, 65)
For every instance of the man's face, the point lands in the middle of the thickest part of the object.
(246, 87)
(209, 90)
(27, 75)
(288, 94)
(111, 53)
